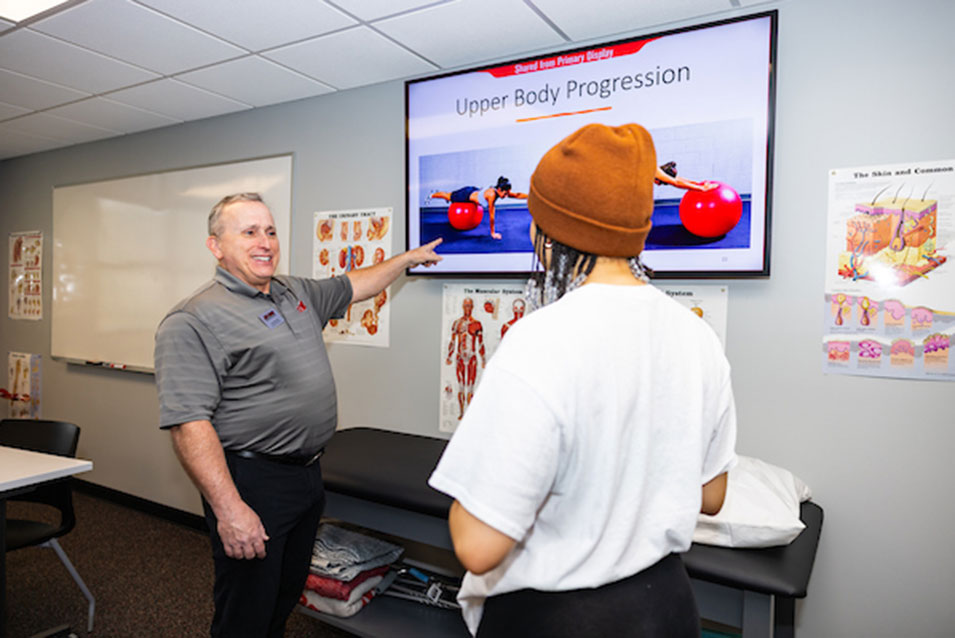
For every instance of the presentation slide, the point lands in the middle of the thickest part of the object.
(705, 94)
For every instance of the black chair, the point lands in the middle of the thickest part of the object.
(51, 437)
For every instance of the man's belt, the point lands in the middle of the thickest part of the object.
(287, 459)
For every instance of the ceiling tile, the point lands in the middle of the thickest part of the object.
(57, 128)
(176, 100)
(20, 90)
(138, 35)
(374, 9)
(350, 58)
(8, 110)
(53, 60)
(272, 84)
(14, 143)
(105, 113)
(605, 18)
(257, 25)
(427, 31)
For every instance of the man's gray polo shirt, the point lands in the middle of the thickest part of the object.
(254, 365)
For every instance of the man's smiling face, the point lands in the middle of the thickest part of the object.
(247, 244)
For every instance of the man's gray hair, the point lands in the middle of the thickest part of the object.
(215, 226)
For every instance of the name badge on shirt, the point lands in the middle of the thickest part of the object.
(272, 318)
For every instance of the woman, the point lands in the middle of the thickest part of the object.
(603, 424)
(666, 174)
(470, 194)
(501, 190)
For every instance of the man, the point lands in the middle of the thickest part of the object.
(467, 337)
(246, 391)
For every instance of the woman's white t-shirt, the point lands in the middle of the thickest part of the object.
(594, 426)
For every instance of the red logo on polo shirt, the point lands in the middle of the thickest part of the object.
(301, 306)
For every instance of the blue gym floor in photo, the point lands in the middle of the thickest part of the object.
(513, 222)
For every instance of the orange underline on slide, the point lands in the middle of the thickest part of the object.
(544, 117)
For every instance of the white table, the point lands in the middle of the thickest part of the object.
(21, 471)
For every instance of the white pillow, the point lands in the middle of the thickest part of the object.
(761, 508)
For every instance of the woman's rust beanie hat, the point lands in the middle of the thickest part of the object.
(594, 190)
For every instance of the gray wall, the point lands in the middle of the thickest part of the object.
(860, 82)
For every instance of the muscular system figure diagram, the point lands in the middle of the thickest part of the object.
(467, 343)
(518, 307)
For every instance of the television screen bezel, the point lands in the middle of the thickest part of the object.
(763, 272)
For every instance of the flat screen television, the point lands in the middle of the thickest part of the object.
(705, 93)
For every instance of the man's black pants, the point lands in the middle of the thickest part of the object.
(254, 597)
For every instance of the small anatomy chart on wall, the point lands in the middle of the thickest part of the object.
(707, 301)
(26, 275)
(348, 239)
(474, 319)
(889, 303)
(23, 385)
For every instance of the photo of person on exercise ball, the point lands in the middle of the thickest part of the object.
(501, 190)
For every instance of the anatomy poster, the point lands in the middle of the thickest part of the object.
(26, 280)
(889, 303)
(349, 239)
(474, 319)
(707, 301)
(23, 385)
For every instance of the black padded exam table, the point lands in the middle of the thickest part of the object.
(378, 479)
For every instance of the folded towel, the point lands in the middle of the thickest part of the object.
(360, 596)
(342, 554)
(337, 589)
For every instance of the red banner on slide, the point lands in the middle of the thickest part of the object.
(569, 59)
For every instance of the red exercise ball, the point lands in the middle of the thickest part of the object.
(465, 215)
(711, 213)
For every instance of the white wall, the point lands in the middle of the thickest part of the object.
(860, 82)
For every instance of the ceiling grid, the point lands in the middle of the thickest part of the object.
(93, 69)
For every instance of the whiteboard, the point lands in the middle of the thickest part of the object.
(125, 251)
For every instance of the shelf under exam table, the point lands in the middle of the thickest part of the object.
(377, 479)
